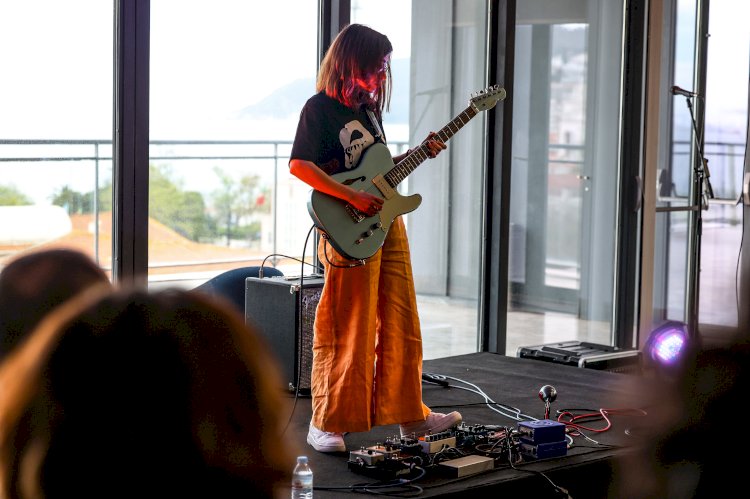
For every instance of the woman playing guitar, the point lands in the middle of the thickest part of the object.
(367, 347)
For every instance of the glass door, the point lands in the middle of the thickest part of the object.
(705, 278)
(565, 172)
(438, 62)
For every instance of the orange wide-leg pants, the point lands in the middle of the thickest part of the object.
(367, 345)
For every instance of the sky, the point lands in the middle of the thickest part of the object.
(54, 58)
(727, 79)
(211, 59)
(205, 62)
(208, 61)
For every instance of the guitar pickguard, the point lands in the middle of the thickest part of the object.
(353, 234)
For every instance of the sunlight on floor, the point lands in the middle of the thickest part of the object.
(449, 328)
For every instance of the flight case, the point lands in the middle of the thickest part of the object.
(583, 354)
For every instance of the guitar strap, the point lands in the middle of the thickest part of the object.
(378, 130)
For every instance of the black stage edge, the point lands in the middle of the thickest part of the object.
(586, 471)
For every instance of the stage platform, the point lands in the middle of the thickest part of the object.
(586, 470)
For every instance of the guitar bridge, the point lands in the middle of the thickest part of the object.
(356, 215)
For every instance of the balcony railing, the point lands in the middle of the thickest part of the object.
(726, 165)
(254, 155)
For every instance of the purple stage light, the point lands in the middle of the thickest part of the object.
(667, 343)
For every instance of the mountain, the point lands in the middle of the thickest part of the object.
(287, 101)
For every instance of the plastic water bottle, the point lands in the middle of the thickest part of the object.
(302, 480)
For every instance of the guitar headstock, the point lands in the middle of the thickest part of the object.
(487, 98)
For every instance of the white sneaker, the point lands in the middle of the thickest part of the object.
(435, 423)
(325, 441)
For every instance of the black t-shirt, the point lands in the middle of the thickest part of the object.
(332, 135)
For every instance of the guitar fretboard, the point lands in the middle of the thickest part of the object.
(402, 170)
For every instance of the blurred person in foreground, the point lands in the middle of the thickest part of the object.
(689, 444)
(137, 394)
(34, 283)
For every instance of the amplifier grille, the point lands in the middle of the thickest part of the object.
(310, 299)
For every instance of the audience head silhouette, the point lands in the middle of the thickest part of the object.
(679, 450)
(141, 394)
(33, 284)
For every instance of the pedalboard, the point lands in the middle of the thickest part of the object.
(461, 451)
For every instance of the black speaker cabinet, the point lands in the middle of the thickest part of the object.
(285, 315)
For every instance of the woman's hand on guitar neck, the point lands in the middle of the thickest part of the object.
(433, 145)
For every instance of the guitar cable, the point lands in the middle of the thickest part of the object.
(357, 263)
(300, 310)
(263, 264)
(298, 358)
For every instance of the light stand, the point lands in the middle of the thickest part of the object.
(699, 201)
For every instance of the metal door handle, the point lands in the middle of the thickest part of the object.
(638, 192)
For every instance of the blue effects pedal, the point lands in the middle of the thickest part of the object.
(541, 431)
(544, 451)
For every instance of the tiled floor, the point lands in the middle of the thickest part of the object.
(449, 327)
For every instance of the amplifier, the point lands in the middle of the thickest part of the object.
(285, 314)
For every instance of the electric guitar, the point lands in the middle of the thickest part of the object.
(358, 236)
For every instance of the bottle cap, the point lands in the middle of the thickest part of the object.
(302, 459)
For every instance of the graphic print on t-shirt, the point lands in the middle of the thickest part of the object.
(354, 138)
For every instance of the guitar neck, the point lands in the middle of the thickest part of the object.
(415, 158)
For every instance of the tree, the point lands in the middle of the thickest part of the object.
(235, 202)
(182, 211)
(76, 202)
(73, 201)
(11, 196)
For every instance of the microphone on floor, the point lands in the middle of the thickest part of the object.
(548, 394)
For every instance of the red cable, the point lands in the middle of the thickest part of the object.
(602, 414)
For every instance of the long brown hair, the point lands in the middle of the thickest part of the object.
(122, 391)
(356, 52)
(34, 283)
